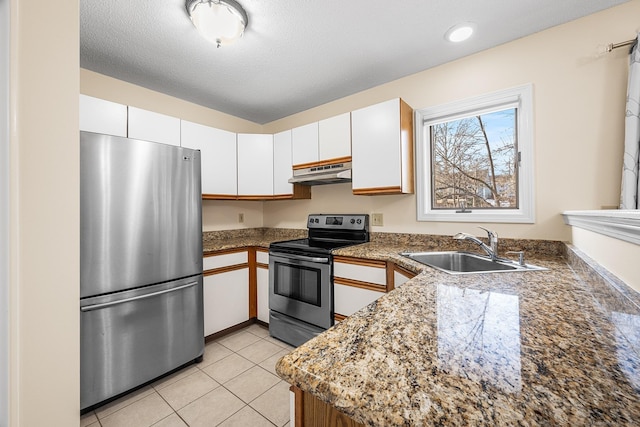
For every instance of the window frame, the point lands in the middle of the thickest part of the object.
(520, 97)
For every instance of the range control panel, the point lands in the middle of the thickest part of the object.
(339, 222)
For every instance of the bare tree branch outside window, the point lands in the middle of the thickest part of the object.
(475, 161)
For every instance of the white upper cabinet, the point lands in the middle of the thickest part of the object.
(155, 127)
(100, 116)
(282, 163)
(218, 154)
(304, 142)
(335, 137)
(382, 148)
(255, 165)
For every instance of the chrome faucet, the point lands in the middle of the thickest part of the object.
(491, 250)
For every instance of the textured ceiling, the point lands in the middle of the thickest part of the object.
(298, 54)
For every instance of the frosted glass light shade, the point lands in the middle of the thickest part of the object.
(221, 22)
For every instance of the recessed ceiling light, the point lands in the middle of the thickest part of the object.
(460, 32)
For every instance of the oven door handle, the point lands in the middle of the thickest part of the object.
(323, 260)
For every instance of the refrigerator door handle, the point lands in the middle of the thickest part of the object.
(139, 297)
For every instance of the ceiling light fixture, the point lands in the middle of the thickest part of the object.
(460, 32)
(220, 21)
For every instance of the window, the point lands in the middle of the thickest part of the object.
(475, 159)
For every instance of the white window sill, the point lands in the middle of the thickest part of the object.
(619, 224)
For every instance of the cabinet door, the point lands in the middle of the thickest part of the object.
(218, 154)
(226, 300)
(376, 145)
(304, 142)
(335, 137)
(263, 294)
(155, 127)
(282, 170)
(349, 299)
(399, 279)
(255, 164)
(100, 116)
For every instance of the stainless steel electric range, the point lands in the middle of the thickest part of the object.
(301, 276)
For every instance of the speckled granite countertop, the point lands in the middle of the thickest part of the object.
(213, 241)
(556, 347)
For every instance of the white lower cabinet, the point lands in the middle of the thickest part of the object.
(349, 299)
(226, 300)
(226, 291)
(357, 283)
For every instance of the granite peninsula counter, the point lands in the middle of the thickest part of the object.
(556, 347)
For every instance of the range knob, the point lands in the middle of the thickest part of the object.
(317, 220)
(353, 221)
(359, 221)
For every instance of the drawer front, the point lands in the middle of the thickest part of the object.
(224, 260)
(362, 273)
(262, 257)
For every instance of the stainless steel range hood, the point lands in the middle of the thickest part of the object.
(319, 175)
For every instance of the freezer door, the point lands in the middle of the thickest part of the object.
(132, 337)
(141, 219)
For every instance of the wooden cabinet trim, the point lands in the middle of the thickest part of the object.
(298, 402)
(359, 284)
(219, 197)
(377, 190)
(225, 269)
(339, 317)
(391, 282)
(322, 163)
(401, 270)
(316, 413)
(360, 261)
(261, 265)
(226, 251)
(253, 284)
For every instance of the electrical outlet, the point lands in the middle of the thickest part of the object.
(376, 219)
(241, 217)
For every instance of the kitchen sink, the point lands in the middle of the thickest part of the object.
(455, 262)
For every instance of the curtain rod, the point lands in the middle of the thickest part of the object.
(612, 46)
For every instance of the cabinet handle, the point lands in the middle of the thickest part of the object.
(139, 297)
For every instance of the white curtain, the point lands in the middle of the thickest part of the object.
(630, 197)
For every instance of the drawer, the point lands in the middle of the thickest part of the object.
(224, 260)
(262, 257)
(362, 273)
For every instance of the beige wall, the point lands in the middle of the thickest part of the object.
(223, 215)
(44, 214)
(617, 256)
(578, 115)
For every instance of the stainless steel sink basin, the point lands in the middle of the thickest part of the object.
(455, 262)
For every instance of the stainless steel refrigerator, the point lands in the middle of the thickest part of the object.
(141, 312)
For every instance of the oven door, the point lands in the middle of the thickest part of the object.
(300, 287)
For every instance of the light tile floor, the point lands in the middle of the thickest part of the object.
(234, 385)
